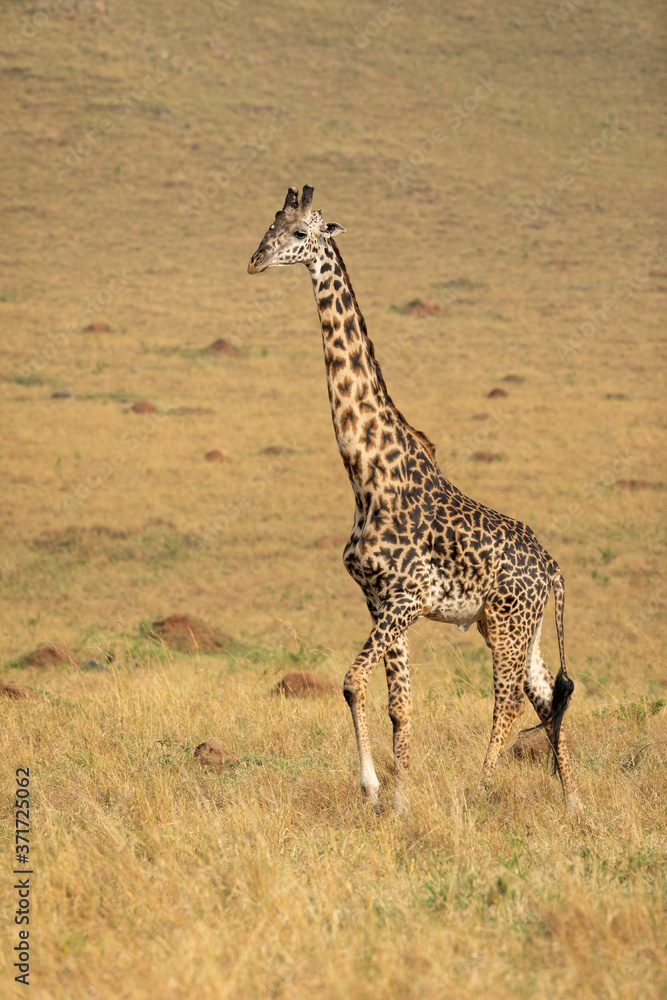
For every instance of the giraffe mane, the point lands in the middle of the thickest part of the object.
(420, 436)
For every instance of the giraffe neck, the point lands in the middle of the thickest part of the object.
(363, 414)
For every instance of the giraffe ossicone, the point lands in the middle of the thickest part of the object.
(419, 548)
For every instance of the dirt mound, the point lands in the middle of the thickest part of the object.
(50, 656)
(419, 308)
(517, 379)
(214, 456)
(486, 456)
(303, 684)
(329, 540)
(222, 347)
(533, 747)
(97, 328)
(214, 756)
(189, 635)
(480, 416)
(143, 406)
(278, 449)
(496, 394)
(638, 484)
(15, 691)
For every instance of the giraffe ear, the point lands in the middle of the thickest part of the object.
(333, 229)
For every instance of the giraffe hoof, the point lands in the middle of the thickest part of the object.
(378, 808)
(573, 804)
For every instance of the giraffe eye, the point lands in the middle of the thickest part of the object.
(300, 235)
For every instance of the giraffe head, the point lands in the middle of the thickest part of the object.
(296, 235)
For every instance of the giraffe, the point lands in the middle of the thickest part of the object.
(420, 548)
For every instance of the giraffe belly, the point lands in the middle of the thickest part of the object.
(462, 611)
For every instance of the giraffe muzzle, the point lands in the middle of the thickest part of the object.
(258, 262)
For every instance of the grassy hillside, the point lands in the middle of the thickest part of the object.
(500, 163)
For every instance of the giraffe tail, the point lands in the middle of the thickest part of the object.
(563, 686)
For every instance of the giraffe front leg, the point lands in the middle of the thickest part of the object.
(506, 709)
(397, 665)
(390, 624)
(355, 695)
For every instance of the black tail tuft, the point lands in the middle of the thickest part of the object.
(560, 700)
(563, 686)
(562, 693)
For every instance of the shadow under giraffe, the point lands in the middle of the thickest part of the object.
(419, 547)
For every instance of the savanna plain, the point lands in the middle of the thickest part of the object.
(497, 168)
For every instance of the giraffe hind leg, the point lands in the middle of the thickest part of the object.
(508, 666)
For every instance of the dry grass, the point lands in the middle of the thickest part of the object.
(157, 879)
(153, 877)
